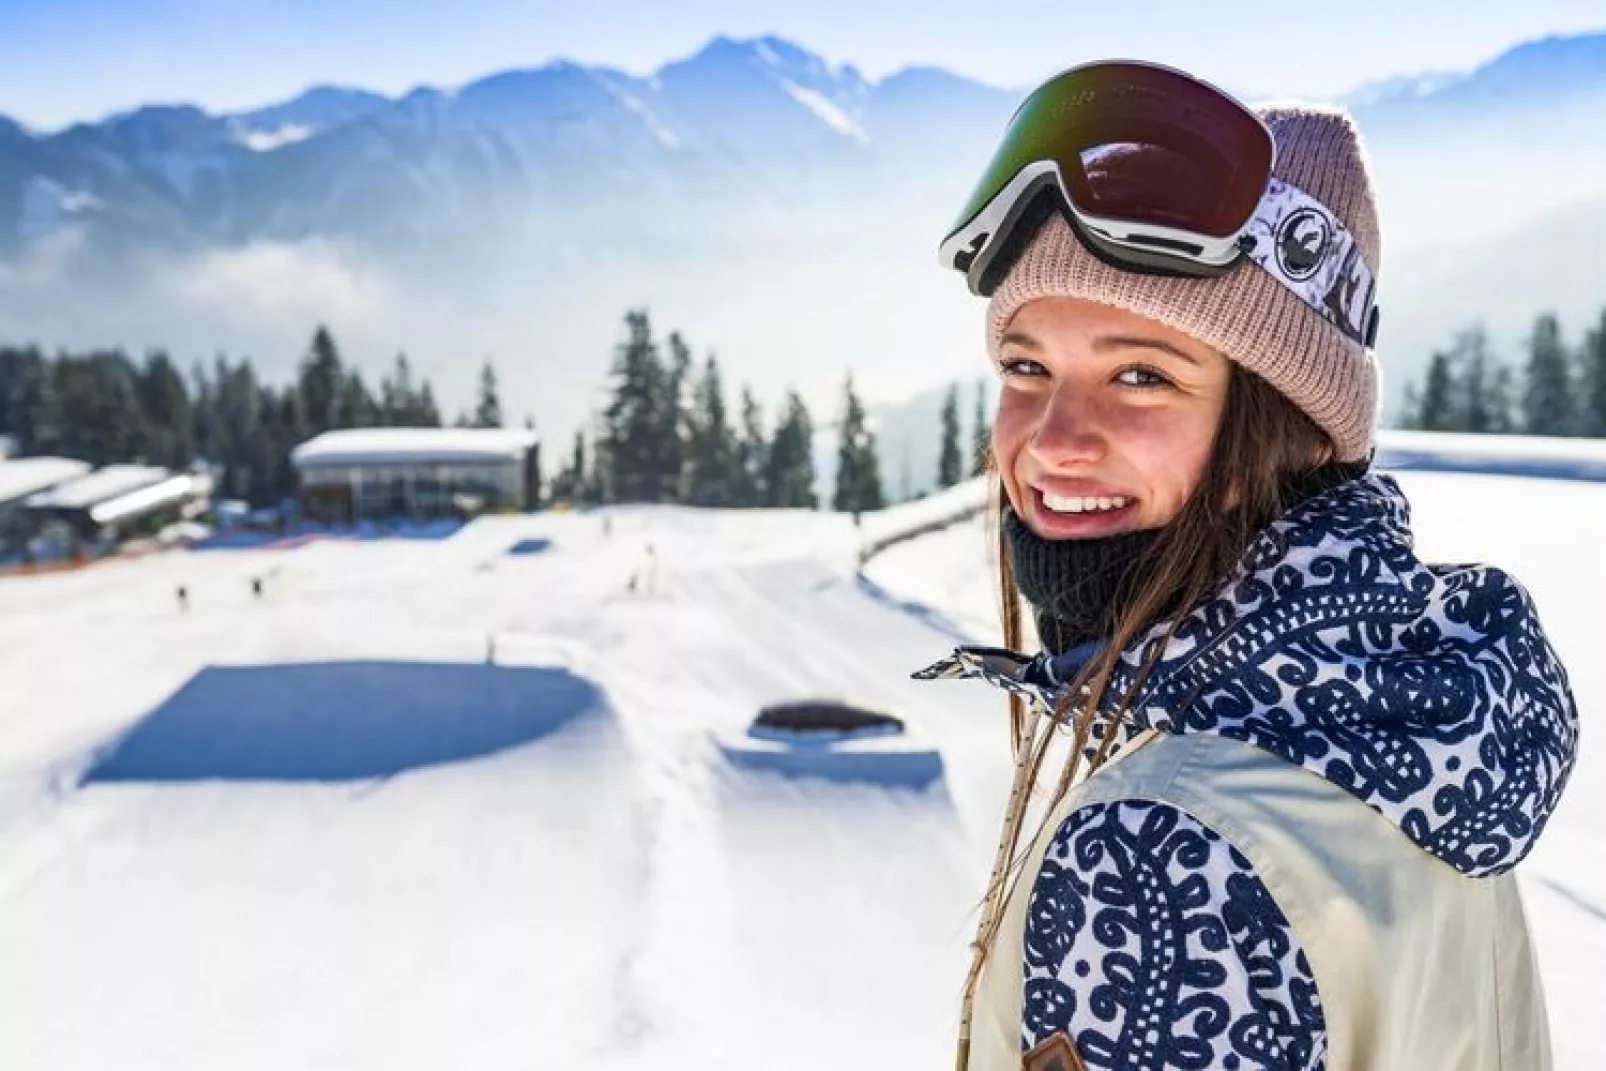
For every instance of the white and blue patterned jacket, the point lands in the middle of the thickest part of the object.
(1428, 692)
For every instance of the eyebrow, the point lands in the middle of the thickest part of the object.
(1103, 344)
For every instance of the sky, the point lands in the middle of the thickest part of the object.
(67, 60)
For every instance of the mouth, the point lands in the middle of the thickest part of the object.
(1080, 516)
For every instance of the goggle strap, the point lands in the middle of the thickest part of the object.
(1306, 248)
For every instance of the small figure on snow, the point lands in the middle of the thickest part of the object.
(645, 578)
(183, 599)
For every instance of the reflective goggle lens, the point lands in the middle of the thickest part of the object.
(1139, 144)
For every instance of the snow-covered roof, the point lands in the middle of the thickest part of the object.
(26, 476)
(99, 486)
(415, 446)
(152, 496)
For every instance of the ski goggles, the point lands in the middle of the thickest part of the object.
(1158, 172)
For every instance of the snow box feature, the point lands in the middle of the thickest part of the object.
(833, 741)
(344, 721)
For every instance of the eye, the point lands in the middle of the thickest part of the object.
(1020, 366)
(1142, 377)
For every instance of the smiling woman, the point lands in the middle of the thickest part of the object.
(1229, 604)
(1105, 419)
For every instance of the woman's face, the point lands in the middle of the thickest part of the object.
(1105, 419)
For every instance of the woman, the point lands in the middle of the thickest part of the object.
(1314, 758)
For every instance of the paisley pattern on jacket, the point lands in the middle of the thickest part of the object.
(1428, 692)
(1150, 939)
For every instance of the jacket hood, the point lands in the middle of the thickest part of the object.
(1427, 691)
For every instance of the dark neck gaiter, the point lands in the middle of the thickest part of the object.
(1075, 586)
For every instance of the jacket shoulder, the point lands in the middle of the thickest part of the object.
(1152, 941)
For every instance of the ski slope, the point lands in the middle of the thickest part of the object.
(540, 860)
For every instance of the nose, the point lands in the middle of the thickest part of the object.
(1069, 429)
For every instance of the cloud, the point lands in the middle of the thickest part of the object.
(266, 282)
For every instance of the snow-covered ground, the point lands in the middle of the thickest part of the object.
(605, 892)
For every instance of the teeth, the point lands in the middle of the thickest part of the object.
(1062, 504)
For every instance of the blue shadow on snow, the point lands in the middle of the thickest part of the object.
(1545, 468)
(927, 615)
(343, 721)
(529, 546)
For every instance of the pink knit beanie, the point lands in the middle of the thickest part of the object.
(1245, 314)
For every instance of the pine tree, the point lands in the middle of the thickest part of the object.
(1592, 381)
(789, 468)
(1502, 394)
(488, 409)
(1548, 401)
(322, 382)
(949, 465)
(711, 446)
(428, 414)
(1434, 409)
(981, 432)
(102, 419)
(596, 486)
(858, 470)
(1485, 399)
(357, 408)
(239, 419)
(398, 403)
(204, 421)
(674, 420)
(291, 425)
(37, 419)
(167, 408)
(632, 421)
(751, 448)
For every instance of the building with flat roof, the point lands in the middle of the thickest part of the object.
(22, 478)
(416, 473)
(100, 509)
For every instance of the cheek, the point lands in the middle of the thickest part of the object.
(1012, 425)
(1170, 448)
(1013, 422)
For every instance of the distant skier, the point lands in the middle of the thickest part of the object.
(256, 586)
(183, 599)
(645, 578)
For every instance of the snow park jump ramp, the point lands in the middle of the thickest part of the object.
(344, 721)
(600, 891)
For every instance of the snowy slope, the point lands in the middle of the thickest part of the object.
(605, 896)
(608, 894)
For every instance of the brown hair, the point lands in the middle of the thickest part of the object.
(1263, 445)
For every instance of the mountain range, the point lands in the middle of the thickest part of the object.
(777, 208)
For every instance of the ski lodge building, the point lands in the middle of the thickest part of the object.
(115, 503)
(364, 474)
(21, 479)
